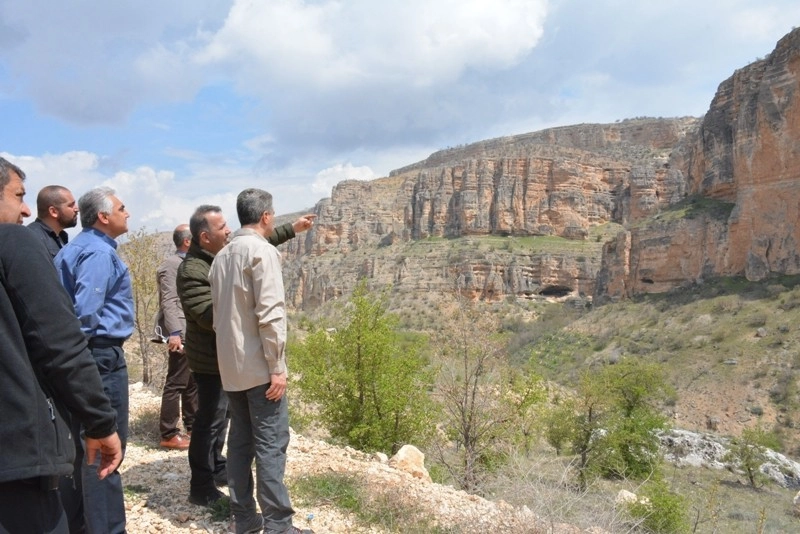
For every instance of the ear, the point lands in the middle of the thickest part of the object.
(53, 211)
(102, 217)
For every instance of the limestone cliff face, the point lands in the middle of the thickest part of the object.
(695, 198)
(746, 153)
(749, 154)
(516, 187)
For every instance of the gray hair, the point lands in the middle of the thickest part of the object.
(94, 202)
(251, 205)
(180, 234)
(198, 222)
(6, 168)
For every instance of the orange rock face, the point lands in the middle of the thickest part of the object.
(747, 153)
(696, 198)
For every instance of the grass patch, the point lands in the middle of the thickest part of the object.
(144, 426)
(383, 508)
(135, 490)
(221, 509)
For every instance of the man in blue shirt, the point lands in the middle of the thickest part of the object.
(99, 284)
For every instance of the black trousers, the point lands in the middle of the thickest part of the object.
(31, 506)
(178, 398)
(208, 434)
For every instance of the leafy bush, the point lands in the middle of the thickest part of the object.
(660, 509)
(370, 383)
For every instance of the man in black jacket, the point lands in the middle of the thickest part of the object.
(45, 370)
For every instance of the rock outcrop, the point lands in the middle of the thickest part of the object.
(746, 156)
(519, 188)
(693, 198)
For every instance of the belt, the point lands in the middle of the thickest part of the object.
(103, 342)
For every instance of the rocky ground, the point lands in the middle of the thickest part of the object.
(157, 487)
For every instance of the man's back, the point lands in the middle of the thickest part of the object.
(247, 289)
(171, 316)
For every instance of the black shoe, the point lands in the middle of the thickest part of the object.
(221, 479)
(206, 499)
(252, 525)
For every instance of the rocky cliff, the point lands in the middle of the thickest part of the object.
(746, 154)
(693, 198)
(554, 204)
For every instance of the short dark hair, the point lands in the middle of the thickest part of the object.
(251, 205)
(6, 168)
(49, 195)
(198, 222)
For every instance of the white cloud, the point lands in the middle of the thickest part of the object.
(330, 45)
(327, 178)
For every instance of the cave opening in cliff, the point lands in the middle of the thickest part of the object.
(555, 291)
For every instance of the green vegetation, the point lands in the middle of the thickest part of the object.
(660, 509)
(369, 383)
(143, 253)
(384, 508)
(728, 343)
(611, 422)
(488, 408)
(749, 451)
(692, 208)
(135, 490)
(220, 509)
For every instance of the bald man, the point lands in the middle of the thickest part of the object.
(180, 392)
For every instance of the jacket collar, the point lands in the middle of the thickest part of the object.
(197, 252)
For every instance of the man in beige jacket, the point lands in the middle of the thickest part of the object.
(250, 323)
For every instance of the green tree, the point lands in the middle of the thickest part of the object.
(615, 419)
(749, 451)
(370, 385)
(558, 424)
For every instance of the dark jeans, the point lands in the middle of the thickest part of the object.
(70, 487)
(208, 434)
(30, 506)
(260, 430)
(179, 396)
(103, 501)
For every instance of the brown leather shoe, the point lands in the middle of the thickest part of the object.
(178, 442)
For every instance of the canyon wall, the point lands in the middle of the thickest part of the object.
(657, 203)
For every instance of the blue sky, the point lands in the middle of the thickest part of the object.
(186, 102)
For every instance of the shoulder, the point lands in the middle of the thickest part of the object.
(14, 235)
(170, 264)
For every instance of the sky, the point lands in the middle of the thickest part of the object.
(187, 102)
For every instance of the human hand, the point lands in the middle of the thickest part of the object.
(304, 223)
(277, 387)
(110, 449)
(175, 344)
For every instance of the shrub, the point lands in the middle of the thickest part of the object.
(660, 509)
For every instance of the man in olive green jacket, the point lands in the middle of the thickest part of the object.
(209, 235)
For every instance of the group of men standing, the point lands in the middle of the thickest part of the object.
(216, 300)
